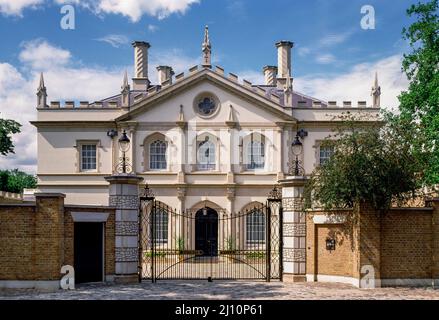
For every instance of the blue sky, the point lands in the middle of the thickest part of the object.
(333, 57)
(243, 32)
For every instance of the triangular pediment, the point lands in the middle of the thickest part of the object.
(243, 101)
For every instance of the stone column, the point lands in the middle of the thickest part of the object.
(124, 196)
(294, 229)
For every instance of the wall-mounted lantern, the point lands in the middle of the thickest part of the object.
(330, 244)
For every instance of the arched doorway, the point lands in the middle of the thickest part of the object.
(206, 231)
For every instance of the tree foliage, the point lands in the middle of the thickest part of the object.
(373, 162)
(7, 128)
(15, 181)
(419, 105)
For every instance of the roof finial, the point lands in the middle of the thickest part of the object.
(125, 93)
(41, 93)
(206, 48)
(376, 93)
(41, 86)
(125, 80)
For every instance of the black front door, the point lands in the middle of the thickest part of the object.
(206, 232)
(88, 252)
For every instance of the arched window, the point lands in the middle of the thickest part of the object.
(255, 227)
(255, 155)
(206, 155)
(157, 155)
(160, 226)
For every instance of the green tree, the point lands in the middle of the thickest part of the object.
(373, 163)
(7, 128)
(15, 181)
(419, 105)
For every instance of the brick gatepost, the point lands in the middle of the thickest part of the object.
(294, 229)
(124, 196)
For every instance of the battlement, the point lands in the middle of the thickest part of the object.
(154, 89)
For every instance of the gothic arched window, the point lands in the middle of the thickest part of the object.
(206, 155)
(157, 155)
(255, 155)
(160, 226)
(255, 227)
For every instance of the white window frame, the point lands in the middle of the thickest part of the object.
(79, 145)
(255, 227)
(161, 224)
(210, 165)
(151, 154)
(327, 156)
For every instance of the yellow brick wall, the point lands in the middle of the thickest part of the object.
(37, 239)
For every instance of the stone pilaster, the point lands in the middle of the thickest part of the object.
(294, 229)
(124, 196)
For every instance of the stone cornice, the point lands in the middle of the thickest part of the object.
(74, 124)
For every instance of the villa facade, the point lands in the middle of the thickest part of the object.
(197, 136)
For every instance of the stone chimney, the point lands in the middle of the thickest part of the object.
(165, 73)
(283, 61)
(270, 74)
(140, 80)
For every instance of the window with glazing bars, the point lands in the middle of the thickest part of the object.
(88, 157)
(255, 227)
(157, 155)
(161, 226)
(326, 153)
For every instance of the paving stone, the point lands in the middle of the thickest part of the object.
(233, 290)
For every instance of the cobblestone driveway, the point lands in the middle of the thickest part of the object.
(235, 290)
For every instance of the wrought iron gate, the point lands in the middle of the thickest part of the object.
(209, 243)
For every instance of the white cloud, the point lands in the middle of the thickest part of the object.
(171, 57)
(252, 76)
(152, 28)
(355, 85)
(115, 40)
(325, 58)
(41, 55)
(133, 9)
(16, 7)
(335, 38)
(303, 51)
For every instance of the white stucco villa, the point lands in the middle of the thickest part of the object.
(197, 136)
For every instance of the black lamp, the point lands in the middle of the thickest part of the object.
(297, 148)
(124, 145)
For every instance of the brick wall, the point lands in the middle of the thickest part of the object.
(37, 239)
(399, 244)
(109, 236)
(338, 262)
(16, 245)
(406, 250)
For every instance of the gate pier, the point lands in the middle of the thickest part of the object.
(124, 196)
(294, 229)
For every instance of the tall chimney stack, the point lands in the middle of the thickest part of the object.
(140, 80)
(284, 61)
(165, 73)
(270, 74)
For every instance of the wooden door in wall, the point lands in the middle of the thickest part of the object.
(88, 252)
